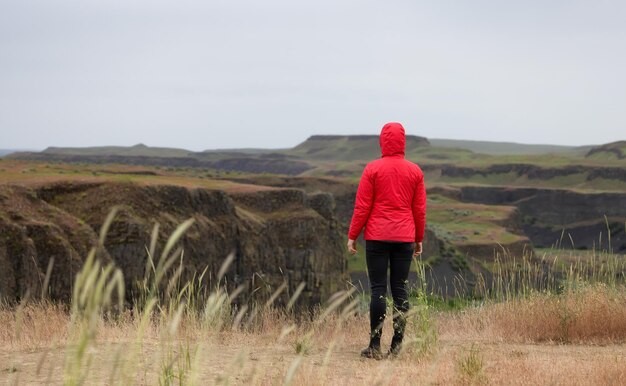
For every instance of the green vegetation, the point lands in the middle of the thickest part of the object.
(471, 367)
(462, 224)
(340, 148)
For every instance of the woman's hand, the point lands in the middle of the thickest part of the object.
(418, 249)
(352, 247)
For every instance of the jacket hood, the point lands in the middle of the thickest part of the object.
(392, 139)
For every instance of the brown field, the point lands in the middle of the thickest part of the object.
(574, 338)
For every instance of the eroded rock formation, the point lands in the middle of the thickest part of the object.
(561, 217)
(277, 235)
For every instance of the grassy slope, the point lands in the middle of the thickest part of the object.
(469, 224)
(340, 149)
(346, 148)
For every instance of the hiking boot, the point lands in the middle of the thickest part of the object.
(372, 353)
(394, 350)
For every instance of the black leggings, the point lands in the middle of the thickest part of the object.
(380, 255)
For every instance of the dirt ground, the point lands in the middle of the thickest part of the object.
(249, 359)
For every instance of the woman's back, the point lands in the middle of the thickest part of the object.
(391, 198)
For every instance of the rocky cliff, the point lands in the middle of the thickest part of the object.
(561, 217)
(530, 171)
(277, 235)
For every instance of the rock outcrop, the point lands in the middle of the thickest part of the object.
(278, 235)
(532, 172)
(551, 216)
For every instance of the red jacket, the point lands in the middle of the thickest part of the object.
(391, 198)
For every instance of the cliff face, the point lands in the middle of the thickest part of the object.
(550, 216)
(32, 232)
(532, 172)
(276, 235)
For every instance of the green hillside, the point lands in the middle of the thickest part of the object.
(347, 147)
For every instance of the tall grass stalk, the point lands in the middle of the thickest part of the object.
(424, 330)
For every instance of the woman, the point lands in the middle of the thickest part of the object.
(391, 205)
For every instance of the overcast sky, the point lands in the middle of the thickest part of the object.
(222, 74)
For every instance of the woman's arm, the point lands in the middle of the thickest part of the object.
(362, 205)
(419, 210)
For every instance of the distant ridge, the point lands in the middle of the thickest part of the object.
(4, 152)
(344, 155)
(361, 137)
(506, 148)
(139, 150)
(348, 147)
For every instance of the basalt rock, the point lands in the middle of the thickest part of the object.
(532, 172)
(277, 236)
(32, 234)
(561, 217)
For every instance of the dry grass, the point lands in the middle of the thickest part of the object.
(491, 344)
(588, 315)
(197, 335)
